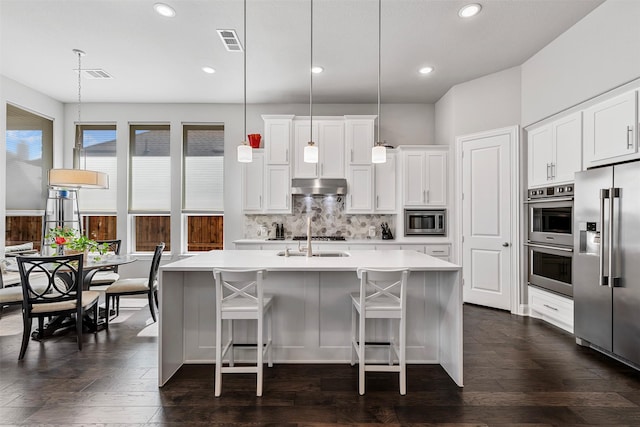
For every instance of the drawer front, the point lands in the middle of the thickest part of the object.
(551, 306)
(438, 250)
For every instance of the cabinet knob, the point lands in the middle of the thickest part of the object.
(505, 244)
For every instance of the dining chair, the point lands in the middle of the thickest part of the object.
(137, 286)
(239, 295)
(382, 295)
(107, 275)
(62, 295)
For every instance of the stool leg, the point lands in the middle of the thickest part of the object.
(218, 375)
(270, 338)
(391, 341)
(403, 356)
(260, 352)
(231, 360)
(361, 339)
(353, 335)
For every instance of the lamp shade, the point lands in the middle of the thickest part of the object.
(245, 155)
(78, 178)
(379, 154)
(311, 153)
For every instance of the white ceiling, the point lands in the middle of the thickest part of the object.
(157, 59)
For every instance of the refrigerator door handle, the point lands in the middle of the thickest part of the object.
(614, 193)
(603, 279)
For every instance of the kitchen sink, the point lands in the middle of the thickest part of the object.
(320, 254)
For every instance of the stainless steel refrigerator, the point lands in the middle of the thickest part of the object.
(606, 263)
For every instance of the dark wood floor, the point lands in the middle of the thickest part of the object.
(518, 371)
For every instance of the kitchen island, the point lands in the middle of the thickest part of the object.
(312, 310)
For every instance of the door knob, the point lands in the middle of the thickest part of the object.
(505, 244)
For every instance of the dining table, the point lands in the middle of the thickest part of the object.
(90, 267)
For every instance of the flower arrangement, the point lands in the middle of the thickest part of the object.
(66, 238)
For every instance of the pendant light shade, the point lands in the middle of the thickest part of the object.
(311, 153)
(245, 153)
(379, 151)
(78, 178)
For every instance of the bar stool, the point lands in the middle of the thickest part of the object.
(382, 296)
(239, 295)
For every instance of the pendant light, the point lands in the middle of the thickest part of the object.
(78, 177)
(245, 152)
(311, 150)
(379, 151)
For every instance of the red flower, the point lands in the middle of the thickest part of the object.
(60, 240)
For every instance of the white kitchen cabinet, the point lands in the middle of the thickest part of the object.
(277, 189)
(551, 308)
(611, 131)
(277, 138)
(253, 183)
(328, 135)
(385, 185)
(554, 151)
(359, 139)
(425, 177)
(360, 189)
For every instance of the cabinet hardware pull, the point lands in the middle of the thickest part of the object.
(260, 202)
(377, 201)
(629, 135)
(550, 307)
(352, 155)
(437, 252)
(548, 167)
(423, 196)
(286, 155)
(553, 170)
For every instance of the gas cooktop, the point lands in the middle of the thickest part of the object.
(326, 238)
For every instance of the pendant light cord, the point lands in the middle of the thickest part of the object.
(311, 80)
(78, 145)
(379, 50)
(244, 66)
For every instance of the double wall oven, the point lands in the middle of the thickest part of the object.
(550, 238)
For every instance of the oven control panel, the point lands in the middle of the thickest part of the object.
(555, 191)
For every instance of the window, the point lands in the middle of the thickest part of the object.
(100, 227)
(150, 186)
(29, 157)
(203, 186)
(98, 144)
(29, 148)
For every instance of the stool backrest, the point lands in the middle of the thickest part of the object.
(239, 287)
(387, 285)
(155, 265)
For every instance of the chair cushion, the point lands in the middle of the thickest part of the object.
(104, 278)
(129, 285)
(88, 298)
(13, 294)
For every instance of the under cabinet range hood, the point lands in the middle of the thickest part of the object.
(315, 186)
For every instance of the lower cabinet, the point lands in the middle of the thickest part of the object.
(551, 308)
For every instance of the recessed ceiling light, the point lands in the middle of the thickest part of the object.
(164, 10)
(317, 70)
(208, 70)
(469, 10)
(425, 70)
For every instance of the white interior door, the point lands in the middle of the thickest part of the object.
(488, 210)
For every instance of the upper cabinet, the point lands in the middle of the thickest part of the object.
(554, 151)
(611, 130)
(265, 188)
(425, 176)
(252, 183)
(359, 137)
(328, 135)
(385, 185)
(277, 138)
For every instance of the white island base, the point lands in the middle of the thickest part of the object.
(312, 308)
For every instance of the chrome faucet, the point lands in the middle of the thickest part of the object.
(308, 247)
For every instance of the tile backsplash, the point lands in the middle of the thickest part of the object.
(328, 218)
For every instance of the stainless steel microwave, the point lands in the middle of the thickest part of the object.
(430, 222)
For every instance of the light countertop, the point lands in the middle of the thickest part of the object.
(268, 259)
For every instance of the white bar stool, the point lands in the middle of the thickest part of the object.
(382, 296)
(239, 295)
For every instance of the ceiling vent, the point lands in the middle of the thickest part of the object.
(95, 74)
(230, 40)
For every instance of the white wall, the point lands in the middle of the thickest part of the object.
(28, 99)
(597, 54)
